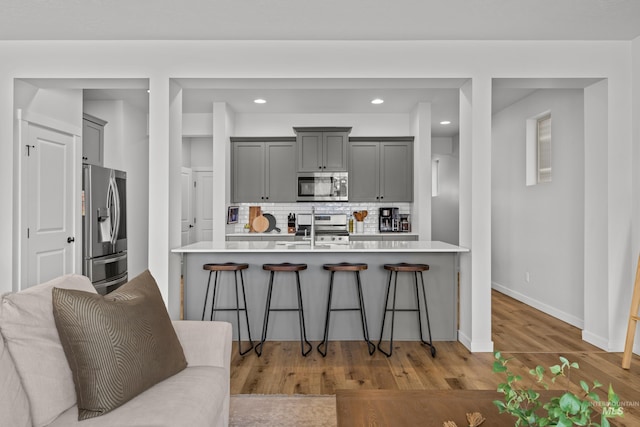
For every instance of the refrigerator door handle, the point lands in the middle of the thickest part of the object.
(113, 282)
(116, 204)
(110, 260)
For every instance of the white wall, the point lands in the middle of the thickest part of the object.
(202, 152)
(445, 207)
(48, 103)
(479, 61)
(539, 230)
(635, 245)
(197, 152)
(282, 124)
(200, 124)
(136, 149)
(186, 152)
(596, 230)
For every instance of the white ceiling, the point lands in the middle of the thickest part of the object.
(321, 96)
(319, 19)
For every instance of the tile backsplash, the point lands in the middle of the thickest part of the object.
(282, 210)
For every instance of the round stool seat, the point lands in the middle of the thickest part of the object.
(227, 266)
(285, 266)
(403, 266)
(346, 266)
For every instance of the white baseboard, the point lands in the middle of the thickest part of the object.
(596, 340)
(475, 346)
(591, 338)
(545, 308)
(464, 340)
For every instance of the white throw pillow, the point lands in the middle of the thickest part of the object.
(14, 405)
(28, 327)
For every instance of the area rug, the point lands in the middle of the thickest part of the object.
(282, 410)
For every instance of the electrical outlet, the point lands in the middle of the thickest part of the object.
(527, 277)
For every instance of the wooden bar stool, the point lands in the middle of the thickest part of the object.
(356, 268)
(219, 268)
(408, 268)
(284, 267)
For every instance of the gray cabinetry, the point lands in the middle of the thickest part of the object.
(381, 170)
(263, 169)
(398, 237)
(322, 149)
(92, 140)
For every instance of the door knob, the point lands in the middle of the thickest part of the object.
(71, 239)
(190, 225)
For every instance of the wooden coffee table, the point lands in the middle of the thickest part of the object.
(417, 407)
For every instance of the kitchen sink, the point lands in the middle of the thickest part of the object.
(293, 244)
(307, 244)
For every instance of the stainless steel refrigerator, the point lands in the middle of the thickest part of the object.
(104, 224)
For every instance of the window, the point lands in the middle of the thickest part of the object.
(544, 148)
(435, 177)
(538, 149)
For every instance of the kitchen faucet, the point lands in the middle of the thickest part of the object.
(312, 239)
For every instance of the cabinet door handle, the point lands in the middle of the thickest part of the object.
(71, 239)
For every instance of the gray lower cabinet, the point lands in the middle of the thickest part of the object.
(322, 149)
(92, 140)
(365, 238)
(263, 171)
(398, 237)
(381, 170)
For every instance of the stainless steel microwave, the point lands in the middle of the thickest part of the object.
(323, 186)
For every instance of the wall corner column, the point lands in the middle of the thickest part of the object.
(475, 215)
(8, 183)
(421, 128)
(223, 125)
(164, 161)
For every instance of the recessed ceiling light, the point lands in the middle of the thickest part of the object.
(445, 122)
(377, 101)
(260, 101)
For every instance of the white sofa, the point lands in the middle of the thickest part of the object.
(36, 384)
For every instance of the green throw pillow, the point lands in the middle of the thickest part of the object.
(117, 345)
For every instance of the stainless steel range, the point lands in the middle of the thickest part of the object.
(329, 228)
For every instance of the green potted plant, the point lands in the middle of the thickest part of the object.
(566, 410)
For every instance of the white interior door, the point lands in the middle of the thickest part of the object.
(204, 205)
(187, 220)
(49, 202)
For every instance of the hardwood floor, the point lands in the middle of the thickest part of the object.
(527, 335)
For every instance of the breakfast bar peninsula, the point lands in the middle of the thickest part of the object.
(440, 282)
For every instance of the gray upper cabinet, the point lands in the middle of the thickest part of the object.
(323, 149)
(263, 169)
(364, 171)
(92, 140)
(381, 169)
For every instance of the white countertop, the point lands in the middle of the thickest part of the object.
(273, 233)
(289, 246)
